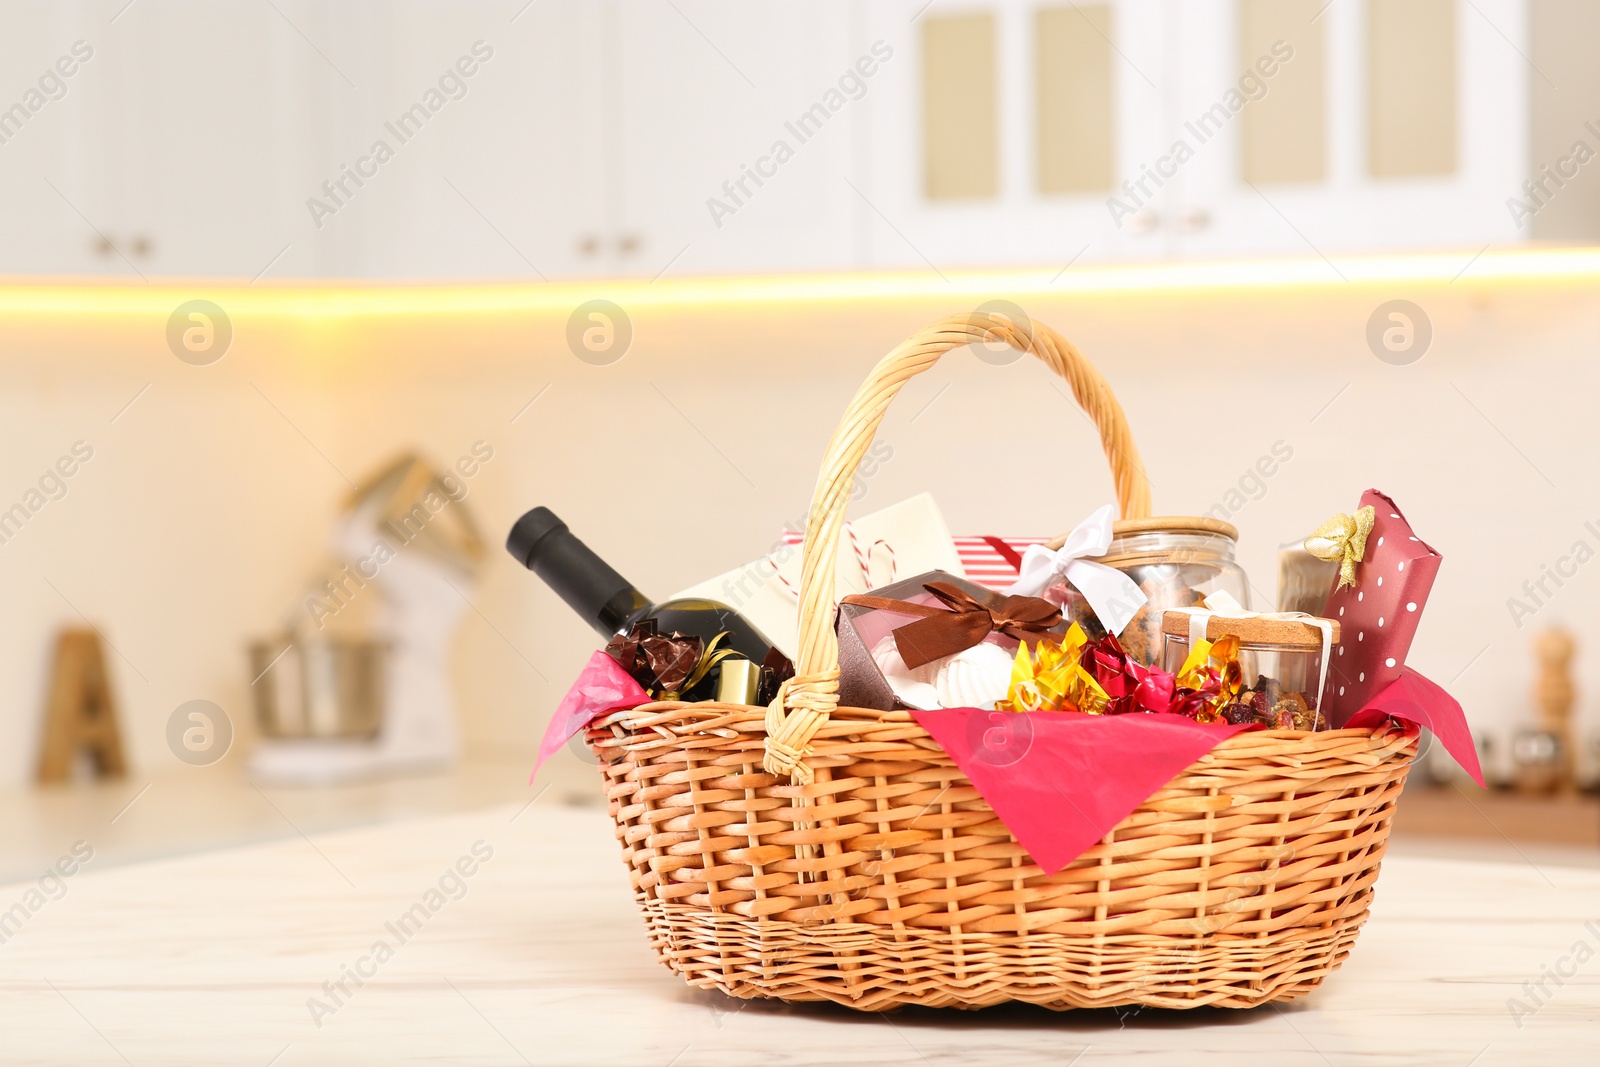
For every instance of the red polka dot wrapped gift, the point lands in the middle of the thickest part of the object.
(1377, 615)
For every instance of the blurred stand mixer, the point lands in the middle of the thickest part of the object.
(358, 683)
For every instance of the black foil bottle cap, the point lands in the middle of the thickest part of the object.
(529, 531)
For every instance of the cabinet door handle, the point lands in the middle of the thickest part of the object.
(588, 245)
(1193, 219)
(628, 244)
(140, 248)
(1144, 222)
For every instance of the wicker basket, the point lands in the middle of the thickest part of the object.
(812, 852)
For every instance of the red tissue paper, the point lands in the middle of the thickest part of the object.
(1413, 698)
(1060, 780)
(602, 686)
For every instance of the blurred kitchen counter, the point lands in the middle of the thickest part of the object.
(198, 809)
(1465, 811)
(206, 808)
(535, 953)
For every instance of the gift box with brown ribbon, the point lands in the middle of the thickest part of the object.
(914, 643)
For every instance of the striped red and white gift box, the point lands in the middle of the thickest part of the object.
(989, 561)
(992, 562)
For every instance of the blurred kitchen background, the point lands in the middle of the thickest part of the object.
(1362, 232)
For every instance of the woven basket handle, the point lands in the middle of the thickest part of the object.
(804, 703)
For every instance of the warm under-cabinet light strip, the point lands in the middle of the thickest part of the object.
(333, 300)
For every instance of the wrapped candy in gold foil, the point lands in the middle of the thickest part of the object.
(1211, 677)
(1052, 678)
(1099, 678)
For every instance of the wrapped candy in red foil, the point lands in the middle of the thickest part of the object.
(1100, 678)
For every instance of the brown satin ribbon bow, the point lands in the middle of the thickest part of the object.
(963, 622)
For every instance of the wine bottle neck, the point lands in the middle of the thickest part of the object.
(622, 610)
(602, 597)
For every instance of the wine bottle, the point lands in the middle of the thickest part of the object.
(610, 603)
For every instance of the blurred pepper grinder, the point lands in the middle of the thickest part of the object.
(1543, 757)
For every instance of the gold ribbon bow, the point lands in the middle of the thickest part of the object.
(1343, 540)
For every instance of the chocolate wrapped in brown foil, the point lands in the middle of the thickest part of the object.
(659, 662)
(775, 670)
(676, 667)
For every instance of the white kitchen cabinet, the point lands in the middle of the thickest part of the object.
(621, 138)
(492, 124)
(1018, 223)
(648, 138)
(169, 152)
(737, 135)
(39, 232)
(1352, 205)
(1178, 189)
(1564, 109)
(207, 139)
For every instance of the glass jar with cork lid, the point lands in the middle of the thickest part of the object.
(1282, 661)
(1177, 560)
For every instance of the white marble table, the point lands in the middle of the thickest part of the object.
(212, 959)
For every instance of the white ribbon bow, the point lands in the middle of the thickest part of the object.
(1223, 605)
(1114, 596)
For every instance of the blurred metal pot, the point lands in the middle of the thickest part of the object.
(326, 688)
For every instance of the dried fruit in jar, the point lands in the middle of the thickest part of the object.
(1141, 638)
(1239, 714)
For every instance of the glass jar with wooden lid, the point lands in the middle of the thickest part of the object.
(1282, 662)
(1177, 560)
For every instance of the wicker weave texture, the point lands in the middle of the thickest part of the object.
(810, 852)
(889, 881)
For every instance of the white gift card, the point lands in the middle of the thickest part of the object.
(901, 540)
